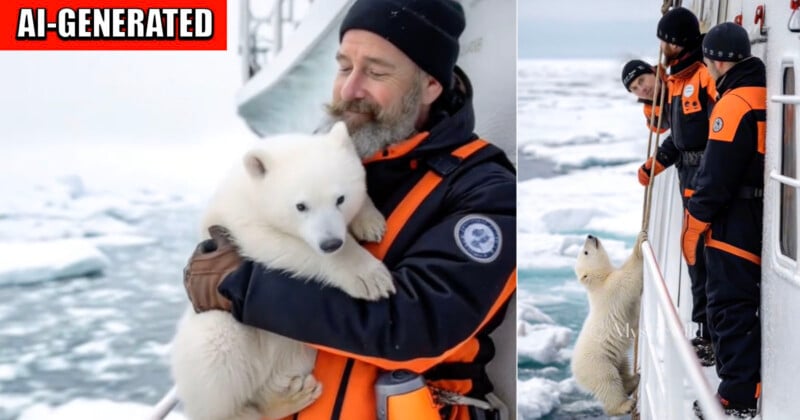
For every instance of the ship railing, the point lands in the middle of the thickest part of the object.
(264, 25)
(671, 374)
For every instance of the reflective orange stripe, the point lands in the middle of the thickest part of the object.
(758, 390)
(688, 192)
(739, 252)
(422, 364)
(399, 149)
(762, 137)
(412, 200)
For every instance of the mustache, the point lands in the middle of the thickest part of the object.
(361, 106)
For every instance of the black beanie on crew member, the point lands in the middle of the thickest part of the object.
(679, 26)
(426, 31)
(726, 42)
(634, 69)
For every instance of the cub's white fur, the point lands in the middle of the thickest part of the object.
(287, 206)
(600, 359)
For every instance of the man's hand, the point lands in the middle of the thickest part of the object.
(692, 229)
(211, 262)
(644, 171)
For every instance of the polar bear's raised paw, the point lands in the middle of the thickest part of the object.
(368, 225)
(625, 408)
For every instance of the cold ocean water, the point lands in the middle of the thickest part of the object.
(91, 259)
(581, 139)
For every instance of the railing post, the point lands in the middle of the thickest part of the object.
(245, 47)
(277, 26)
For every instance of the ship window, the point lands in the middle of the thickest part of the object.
(788, 230)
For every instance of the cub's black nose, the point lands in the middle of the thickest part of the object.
(330, 245)
(590, 237)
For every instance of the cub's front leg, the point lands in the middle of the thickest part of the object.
(369, 224)
(358, 273)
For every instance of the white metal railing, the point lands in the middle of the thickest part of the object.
(792, 182)
(163, 407)
(786, 99)
(671, 375)
(262, 32)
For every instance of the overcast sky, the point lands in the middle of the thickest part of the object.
(177, 97)
(588, 28)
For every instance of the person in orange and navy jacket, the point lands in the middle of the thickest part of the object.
(727, 208)
(639, 78)
(450, 202)
(691, 96)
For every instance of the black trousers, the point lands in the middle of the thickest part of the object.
(734, 296)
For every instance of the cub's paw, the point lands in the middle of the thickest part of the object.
(625, 408)
(299, 393)
(373, 284)
(637, 247)
(369, 225)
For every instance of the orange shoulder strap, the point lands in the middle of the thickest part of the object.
(413, 199)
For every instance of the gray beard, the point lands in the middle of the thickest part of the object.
(374, 136)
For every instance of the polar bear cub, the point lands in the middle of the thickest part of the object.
(288, 205)
(600, 359)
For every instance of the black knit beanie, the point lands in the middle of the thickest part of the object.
(634, 69)
(679, 26)
(426, 31)
(727, 42)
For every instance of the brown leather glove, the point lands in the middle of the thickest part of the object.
(211, 262)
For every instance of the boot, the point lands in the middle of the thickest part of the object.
(705, 353)
(732, 410)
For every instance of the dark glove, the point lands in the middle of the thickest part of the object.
(211, 262)
(644, 171)
(692, 229)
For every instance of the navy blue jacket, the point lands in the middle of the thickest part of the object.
(443, 297)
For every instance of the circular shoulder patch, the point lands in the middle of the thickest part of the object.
(688, 91)
(717, 125)
(479, 237)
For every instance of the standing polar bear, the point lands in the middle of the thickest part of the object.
(287, 206)
(600, 359)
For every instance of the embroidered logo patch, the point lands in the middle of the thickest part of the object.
(479, 237)
(688, 91)
(717, 125)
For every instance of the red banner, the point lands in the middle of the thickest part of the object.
(113, 25)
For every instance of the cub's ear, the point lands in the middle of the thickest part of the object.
(255, 162)
(340, 135)
(339, 130)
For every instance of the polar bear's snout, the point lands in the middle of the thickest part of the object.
(592, 240)
(330, 245)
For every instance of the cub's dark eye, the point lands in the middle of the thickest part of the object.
(301, 207)
(585, 252)
(340, 200)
